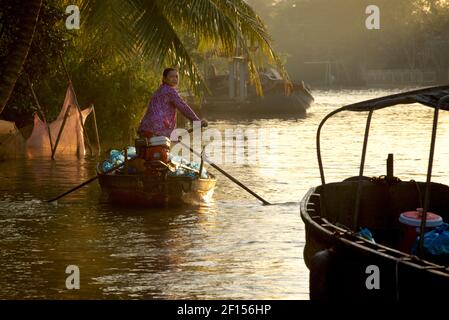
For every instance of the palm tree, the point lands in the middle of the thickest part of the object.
(27, 13)
(154, 29)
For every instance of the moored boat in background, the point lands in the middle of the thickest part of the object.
(244, 102)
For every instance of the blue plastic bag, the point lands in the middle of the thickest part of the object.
(106, 165)
(131, 152)
(366, 234)
(436, 241)
(114, 153)
(116, 157)
(181, 172)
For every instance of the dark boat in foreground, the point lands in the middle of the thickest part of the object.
(346, 264)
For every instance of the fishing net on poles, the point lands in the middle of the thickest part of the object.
(71, 140)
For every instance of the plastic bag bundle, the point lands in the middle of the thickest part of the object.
(178, 159)
(131, 152)
(106, 165)
(366, 234)
(182, 171)
(117, 158)
(436, 242)
(196, 166)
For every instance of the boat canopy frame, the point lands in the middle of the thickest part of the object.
(434, 97)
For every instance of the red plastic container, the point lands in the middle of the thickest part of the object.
(411, 222)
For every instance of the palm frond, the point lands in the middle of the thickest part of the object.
(110, 24)
(154, 28)
(157, 39)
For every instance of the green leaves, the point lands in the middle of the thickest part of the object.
(154, 29)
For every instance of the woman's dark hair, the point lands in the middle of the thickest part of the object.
(167, 71)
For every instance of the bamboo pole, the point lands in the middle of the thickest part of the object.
(41, 111)
(60, 131)
(81, 120)
(355, 220)
(96, 129)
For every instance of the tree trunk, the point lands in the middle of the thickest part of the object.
(26, 15)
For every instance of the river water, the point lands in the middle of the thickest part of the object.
(230, 248)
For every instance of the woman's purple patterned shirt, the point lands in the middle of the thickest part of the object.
(160, 118)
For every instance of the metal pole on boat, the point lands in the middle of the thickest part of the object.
(390, 168)
(429, 175)
(362, 167)
(318, 142)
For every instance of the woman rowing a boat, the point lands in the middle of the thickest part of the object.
(160, 118)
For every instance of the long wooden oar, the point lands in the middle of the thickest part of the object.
(264, 202)
(90, 180)
(227, 175)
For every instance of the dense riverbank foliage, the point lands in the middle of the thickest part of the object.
(118, 87)
(116, 57)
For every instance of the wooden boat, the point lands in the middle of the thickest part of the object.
(341, 261)
(148, 190)
(274, 103)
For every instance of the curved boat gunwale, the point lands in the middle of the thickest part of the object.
(212, 178)
(146, 190)
(335, 233)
